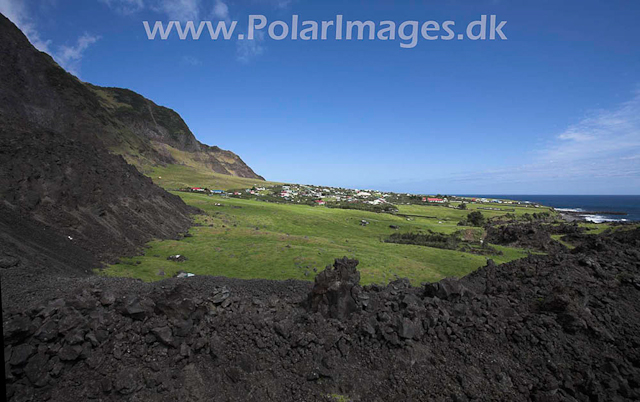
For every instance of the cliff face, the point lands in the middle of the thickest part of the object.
(36, 92)
(148, 134)
(57, 175)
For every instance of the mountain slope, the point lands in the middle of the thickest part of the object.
(58, 177)
(145, 134)
(150, 135)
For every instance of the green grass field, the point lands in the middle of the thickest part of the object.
(442, 212)
(254, 239)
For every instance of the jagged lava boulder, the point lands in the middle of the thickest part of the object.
(334, 290)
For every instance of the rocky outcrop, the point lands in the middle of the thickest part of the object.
(561, 327)
(525, 235)
(335, 290)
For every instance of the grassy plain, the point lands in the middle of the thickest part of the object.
(255, 239)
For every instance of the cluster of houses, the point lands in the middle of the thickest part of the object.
(204, 190)
(320, 195)
(251, 191)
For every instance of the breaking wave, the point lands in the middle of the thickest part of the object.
(569, 209)
(601, 219)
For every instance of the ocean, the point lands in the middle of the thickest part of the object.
(629, 204)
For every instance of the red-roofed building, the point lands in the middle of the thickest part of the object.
(439, 200)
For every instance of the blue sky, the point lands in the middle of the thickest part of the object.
(555, 109)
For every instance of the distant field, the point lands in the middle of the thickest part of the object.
(456, 215)
(253, 239)
(594, 229)
(173, 177)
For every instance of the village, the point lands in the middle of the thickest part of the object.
(328, 196)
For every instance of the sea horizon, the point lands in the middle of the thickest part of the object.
(628, 204)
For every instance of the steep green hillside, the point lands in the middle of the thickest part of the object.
(148, 135)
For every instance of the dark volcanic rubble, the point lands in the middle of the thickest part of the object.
(529, 235)
(545, 328)
(563, 326)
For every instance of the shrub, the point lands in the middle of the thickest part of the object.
(429, 239)
(363, 207)
(474, 218)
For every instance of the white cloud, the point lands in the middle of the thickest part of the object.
(175, 10)
(249, 49)
(575, 136)
(179, 10)
(17, 12)
(604, 145)
(125, 7)
(600, 139)
(220, 10)
(191, 10)
(278, 4)
(69, 57)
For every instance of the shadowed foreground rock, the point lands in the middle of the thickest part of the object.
(335, 289)
(546, 328)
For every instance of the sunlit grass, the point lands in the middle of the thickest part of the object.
(253, 239)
